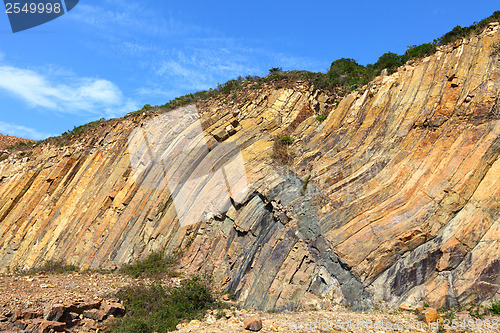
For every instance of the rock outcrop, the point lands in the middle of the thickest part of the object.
(394, 197)
(7, 140)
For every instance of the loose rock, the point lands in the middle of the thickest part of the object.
(252, 324)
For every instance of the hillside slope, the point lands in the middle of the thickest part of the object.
(7, 140)
(394, 197)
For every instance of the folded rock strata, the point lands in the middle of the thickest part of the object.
(395, 197)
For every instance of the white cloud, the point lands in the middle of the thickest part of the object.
(156, 90)
(174, 52)
(22, 131)
(65, 93)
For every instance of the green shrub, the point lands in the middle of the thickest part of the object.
(348, 73)
(461, 32)
(49, 267)
(322, 117)
(229, 86)
(495, 307)
(147, 107)
(319, 80)
(155, 265)
(156, 309)
(275, 70)
(454, 34)
(288, 140)
(418, 51)
(390, 61)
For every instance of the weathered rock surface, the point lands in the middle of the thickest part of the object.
(394, 197)
(75, 302)
(253, 324)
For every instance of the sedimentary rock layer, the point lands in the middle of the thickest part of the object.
(394, 197)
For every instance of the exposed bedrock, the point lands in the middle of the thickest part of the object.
(395, 197)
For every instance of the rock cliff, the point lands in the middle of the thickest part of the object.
(394, 197)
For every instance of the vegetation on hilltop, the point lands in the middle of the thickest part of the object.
(343, 76)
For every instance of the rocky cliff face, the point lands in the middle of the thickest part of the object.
(394, 197)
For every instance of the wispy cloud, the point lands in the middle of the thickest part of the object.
(63, 93)
(152, 89)
(184, 57)
(202, 68)
(132, 19)
(22, 131)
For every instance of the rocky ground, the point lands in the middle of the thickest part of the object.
(42, 302)
(339, 319)
(84, 302)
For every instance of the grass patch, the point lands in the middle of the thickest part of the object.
(477, 311)
(321, 117)
(70, 136)
(156, 309)
(287, 140)
(450, 315)
(495, 307)
(22, 145)
(49, 267)
(79, 130)
(155, 265)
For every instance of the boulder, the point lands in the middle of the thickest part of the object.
(95, 314)
(430, 315)
(113, 308)
(405, 307)
(54, 312)
(252, 324)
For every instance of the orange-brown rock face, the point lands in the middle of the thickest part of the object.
(394, 197)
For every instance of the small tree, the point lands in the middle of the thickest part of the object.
(275, 70)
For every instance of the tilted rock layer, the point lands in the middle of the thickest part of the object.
(395, 197)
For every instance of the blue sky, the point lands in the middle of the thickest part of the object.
(106, 58)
